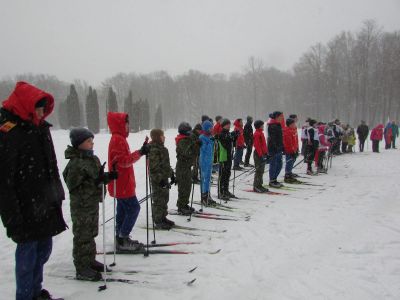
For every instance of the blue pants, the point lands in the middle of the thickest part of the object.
(205, 178)
(290, 160)
(238, 157)
(30, 258)
(127, 213)
(275, 166)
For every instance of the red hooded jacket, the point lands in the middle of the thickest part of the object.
(120, 155)
(377, 133)
(290, 140)
(260, 145)
(240, 138)
(26, 109)
(217, 129)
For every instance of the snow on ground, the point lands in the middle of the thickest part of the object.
(340, 240)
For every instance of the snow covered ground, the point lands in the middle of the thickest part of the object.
(340, 240)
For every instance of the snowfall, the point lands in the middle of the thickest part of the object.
(338, 239)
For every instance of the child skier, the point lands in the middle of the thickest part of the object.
(122, 159)
(275, 147)
(185, 155)
(84, 177)
(323, 146)
(197, 130)
(291, 149)
(206, 160)
(239, 144)
(260, 157)
(388, 134)
(312, 146)
(351, 140)
(160, 172)
(248, 139)
(376, 137)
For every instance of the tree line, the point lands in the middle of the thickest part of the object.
(355, 76)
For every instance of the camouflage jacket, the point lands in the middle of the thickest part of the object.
(187, 150)
(159, 164)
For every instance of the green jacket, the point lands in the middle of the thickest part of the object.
(80, 175)
(159, 164)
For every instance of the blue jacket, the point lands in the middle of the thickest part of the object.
(206, 152)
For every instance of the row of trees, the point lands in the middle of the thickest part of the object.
(354, 76)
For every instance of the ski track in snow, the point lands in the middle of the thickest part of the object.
(338, 241)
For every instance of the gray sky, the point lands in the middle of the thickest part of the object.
(94, 39)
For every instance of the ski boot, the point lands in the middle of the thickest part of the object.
(275, 184)
(88, 275)
(168, 221)
(99, 267)
(162, 225)
(45, 295)
(129, 245)
(185, 211)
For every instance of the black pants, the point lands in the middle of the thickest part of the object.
(362, 143)
(375, 146)
(225, 174)
(249, 149)
(344, 147)
(393, 142)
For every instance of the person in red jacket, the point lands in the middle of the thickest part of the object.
(260, 156)
(240, 145)
(376, 137)
(291, 149)
(121, 159)
(217, 127)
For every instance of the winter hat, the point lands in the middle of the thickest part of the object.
(275, 114)
(79, 135)
(289, 122)
(204, 118)
(293, 116)
(217, 118)
(207, 126)
(258, 124)
(41, 103)
(184, 128)
(250, 119)
(312, 122)
(225, 122)
(198, 127)
(156, 135)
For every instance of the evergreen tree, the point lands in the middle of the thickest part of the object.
(73, 109)
(158, 121)
(146, 115)
(135, 117)
(112, 104)
(92, 111)
(62, 115)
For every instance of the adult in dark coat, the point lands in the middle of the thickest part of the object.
(30, 188)
(275, 147)
(362, 132)
(248, 139)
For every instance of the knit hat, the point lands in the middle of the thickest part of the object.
(293, 116)
(41, 103)
(275, 114)
(79, 135)
(258, 124)
(156, 135)
(207, 126)
(204, 118)
(289, 122)
(225, 122)
(312, 122)
(198, 127)
(184, 128)
(249, 119)
(217, 118)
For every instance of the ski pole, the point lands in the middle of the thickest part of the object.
(104, 287)
(201, 180)
(234, 177)
(147, 211)
(115, 237)
(153, 242)
(191, 202)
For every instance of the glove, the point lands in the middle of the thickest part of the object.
(113, 175)
(173, 179)
(164, 184)
(145, 149)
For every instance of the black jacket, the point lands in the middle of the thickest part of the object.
(248, 133)
(275, 138)
(31, 192)
(227, 141)
(362, 131)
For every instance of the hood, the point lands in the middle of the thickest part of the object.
(116, 122)
(237, 123)
(380, 126)
(23, 99)
(72, 152)
(273, 121)
(321, 129)
(180, 137)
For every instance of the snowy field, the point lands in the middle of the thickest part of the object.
(339, 240)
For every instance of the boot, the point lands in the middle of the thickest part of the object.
(225, 196)
(129, 245)
(99, 267)
(88, 275)
(259, 190)
(172, 223)
(44, 295)
(294, 175)
(275, 184)
(185, 211)
(204, 198)
(230, 195)
(237, 168)
(162, 225)
(289, 179)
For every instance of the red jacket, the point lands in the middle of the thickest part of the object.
(120, 154)
(260, 145)
(240, 138)
(26, 109)
(217, 129)
(290, 140)
(377, 133)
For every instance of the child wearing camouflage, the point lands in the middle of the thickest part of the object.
(160, 171)
(84, 177)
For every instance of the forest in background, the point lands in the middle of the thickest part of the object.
(353, 77)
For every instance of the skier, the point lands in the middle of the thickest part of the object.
(376, 137)
(122, 159)
(323, 147)
(395, 134)
(260, 157)
(275, 147)
(304, 128)
(217, 129)
(186, 144)
(206, 160)
(291, 149)
(337, 132)
(248, 139)
(362, 132)
(345, 137)
(388, 134)
(84, 177)
(226, 140)
(197, 130)
(30, 186)
(160, 172)
(312, 146)
(351, 139)
(240, 145)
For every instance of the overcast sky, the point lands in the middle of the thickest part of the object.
(94, 39)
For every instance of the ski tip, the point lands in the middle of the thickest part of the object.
(102, 288)
(189, 283)
(192, 270)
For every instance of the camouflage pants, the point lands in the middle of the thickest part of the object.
(260, 168)
(160, 198)
(195, 169)
(84, 229)
(183, 178)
